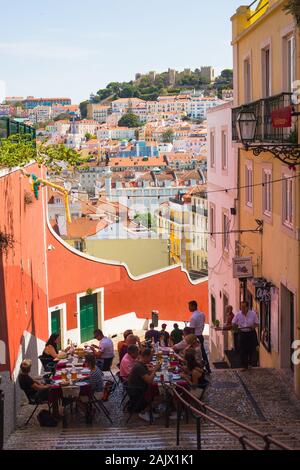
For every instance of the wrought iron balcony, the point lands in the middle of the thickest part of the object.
(264, 112)
(10, 127)
(199, 210)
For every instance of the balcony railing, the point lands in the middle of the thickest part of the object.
(262, 109)
(10, 127)
(199, 210)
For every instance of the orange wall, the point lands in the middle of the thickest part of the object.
(23, 304)
(168, 292)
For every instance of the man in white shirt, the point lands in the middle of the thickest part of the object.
(247, 322)
(105, 350)
(197, 322)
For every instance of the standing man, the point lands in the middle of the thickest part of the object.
(247, 321)
(197, 322)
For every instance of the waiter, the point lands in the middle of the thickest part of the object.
(197, 322)
(247, 321)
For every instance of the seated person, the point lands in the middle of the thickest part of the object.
(34, 390)
(96, 377)
(129, 361)
(194, 374)
(105, 353)
(182, 344)
(176, 335)
(131, 339)
(152, 335)
(141, 394)
(121, 343)
(164, 336)
(193, 345)
(51, 348)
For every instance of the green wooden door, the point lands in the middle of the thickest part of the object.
(55, 323)
(88, 317)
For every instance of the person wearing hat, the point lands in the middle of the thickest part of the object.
(164, 335)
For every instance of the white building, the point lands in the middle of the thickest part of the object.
(85, 126)
(98, 112)
(116, 133)
(198, 106)
(125, 103)
(40, 114)
(222, 217)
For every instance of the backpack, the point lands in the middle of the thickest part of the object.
(46, 419)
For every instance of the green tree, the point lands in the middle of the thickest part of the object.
(62, 116)
(293, 8)
(83, 108)
(19, 149)
(129, 120)
(168, 136)
(89, 136)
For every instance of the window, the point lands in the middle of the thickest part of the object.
(224, 150)
(289, 62)
(287, 201)
(249, 185)
(212, 221)
(266, 75)
(212, 150)
(267, 192)
(225, 230)
(78, 245)
(213, 308)
(247, 80)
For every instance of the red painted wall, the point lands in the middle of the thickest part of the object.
(168, 292)
(23, 302)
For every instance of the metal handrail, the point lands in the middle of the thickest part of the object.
(267, 438)
(257, 11)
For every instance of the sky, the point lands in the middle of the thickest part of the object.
(72, 48)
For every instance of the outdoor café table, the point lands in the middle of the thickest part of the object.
(58, 392)
(164, 379)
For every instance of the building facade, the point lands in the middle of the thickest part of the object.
(266, 64)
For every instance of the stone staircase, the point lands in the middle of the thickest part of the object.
(147, 437)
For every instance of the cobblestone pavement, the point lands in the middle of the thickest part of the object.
(259, 397)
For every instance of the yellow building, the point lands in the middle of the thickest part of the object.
(198, 235)
(173, 220)
(266, 49)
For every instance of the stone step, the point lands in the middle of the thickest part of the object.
(145, 437)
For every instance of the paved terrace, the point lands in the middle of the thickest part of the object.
(262, 398)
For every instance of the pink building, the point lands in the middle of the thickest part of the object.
(222, 217)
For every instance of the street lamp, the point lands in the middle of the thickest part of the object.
(246, 126)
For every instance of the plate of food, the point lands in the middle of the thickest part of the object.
(81, 384)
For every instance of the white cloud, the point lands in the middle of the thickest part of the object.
(46, 50)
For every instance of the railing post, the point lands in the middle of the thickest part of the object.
(1, 418)
(198, 426)
(179, 413)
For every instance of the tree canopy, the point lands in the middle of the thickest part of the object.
(129, 120)
(20, 149)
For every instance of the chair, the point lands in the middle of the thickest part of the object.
(107, 368)
(99, 404)
(36, 402)
(134, 405)
(48, 364)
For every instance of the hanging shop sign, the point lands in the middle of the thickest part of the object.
(282, 117)
(242, 267)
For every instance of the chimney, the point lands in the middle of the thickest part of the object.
(62, 225)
